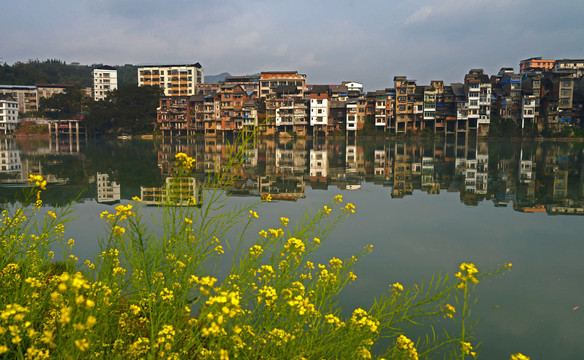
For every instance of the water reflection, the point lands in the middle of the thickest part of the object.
(533, 177)
(426, 206)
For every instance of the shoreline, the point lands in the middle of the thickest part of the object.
(333, 137)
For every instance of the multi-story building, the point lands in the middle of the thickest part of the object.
(105, 79)
(25, 95)
(535, 64)
(10, 162)
(477, 88)
(528, 110)
(173, 115)
(249, 112)
(8, 113)
(319, 108)
(352, 116)
(270, 80)
(248, 83)
(174, 79)
(404, 103)
(108, 191)
(48, 90)
(232, 98)
(381, 109)
(572, 66)
(557, 91)
(292, 116)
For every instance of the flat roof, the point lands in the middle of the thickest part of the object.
(18, 87)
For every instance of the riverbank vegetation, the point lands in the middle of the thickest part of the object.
(154, 291)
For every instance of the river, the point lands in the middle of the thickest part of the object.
(425, 205)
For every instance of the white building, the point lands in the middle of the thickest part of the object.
(319, 106)
(8, 114)
(9, 157)
(105, 79)
(107, 190)
(319, 163)
(175, 79)
(527, 110)
(352, 113)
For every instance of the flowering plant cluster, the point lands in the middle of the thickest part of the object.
(153, 293)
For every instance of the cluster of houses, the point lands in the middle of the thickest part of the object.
(543, 95)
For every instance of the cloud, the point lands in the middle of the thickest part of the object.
(421, 15)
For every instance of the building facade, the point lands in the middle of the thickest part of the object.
(105, 79)
(8, 114)
(175, 79)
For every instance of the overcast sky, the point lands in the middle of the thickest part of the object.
(329, 41)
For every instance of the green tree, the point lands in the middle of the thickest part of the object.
(64, 105)
(129, 109)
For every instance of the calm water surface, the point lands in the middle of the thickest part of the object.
(425, 206)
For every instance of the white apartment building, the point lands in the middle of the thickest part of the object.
(527, 110)
(319, 163)
(352, 113)
(9, 157)
(105, 79)
(107, 190)
(175, 79)
(8, 113)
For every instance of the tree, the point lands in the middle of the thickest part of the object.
(64, 105)
(130, 109)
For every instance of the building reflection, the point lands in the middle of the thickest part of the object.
(532, 177)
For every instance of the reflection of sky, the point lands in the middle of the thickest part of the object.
(421, 235)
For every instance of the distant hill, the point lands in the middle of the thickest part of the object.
(215, 79)
(54, 71)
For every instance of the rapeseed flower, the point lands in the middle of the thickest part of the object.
(38, 180)
(406, 346)
(284, 221)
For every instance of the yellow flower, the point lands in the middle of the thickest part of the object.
(467, 273)
(339, 198)
(253, 214)
(326, 209)
(268, 198)
(519, 356)
(117, 230)
(137, 199)
(256, 250)
(91, 320)
(219, 249)
(316, 240)
(52, 214)
(223, 354)
(284, 221)
(82, 344)
(407, 346)
(350, 208)
(184, 161)
(397, 287)
(38, 180)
